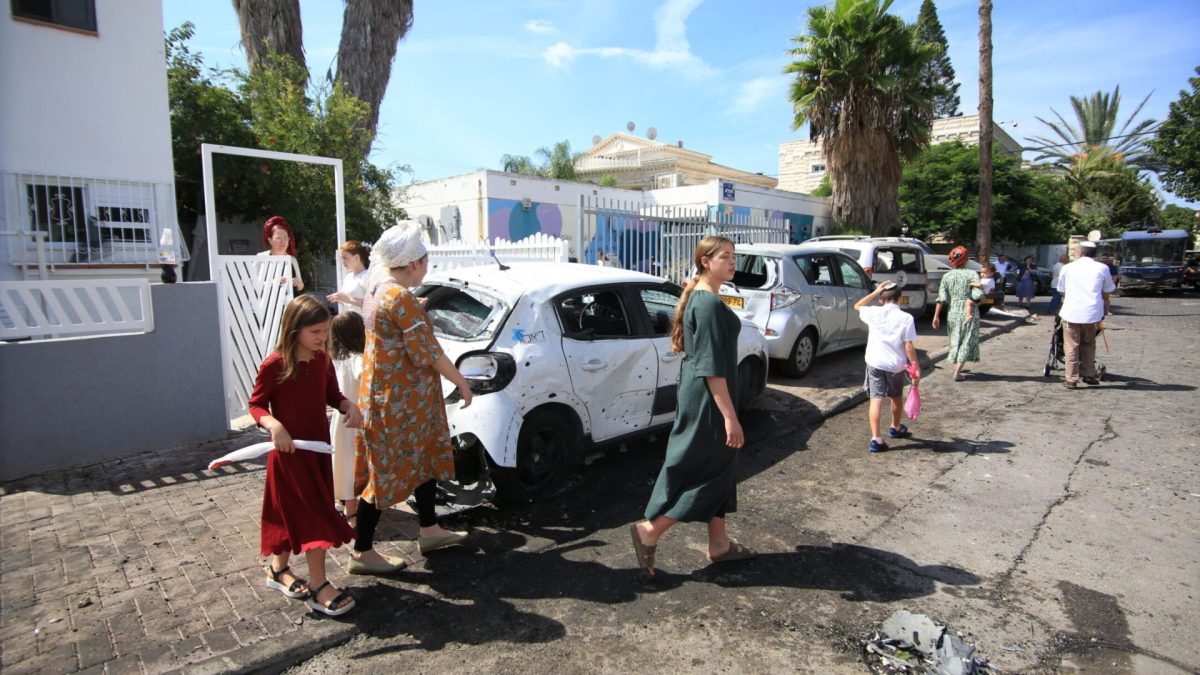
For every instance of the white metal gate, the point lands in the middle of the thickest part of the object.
(252, 300)
(661, 240)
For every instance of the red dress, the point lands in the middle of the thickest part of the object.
(298, 513)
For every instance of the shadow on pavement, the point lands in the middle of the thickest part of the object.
(962, 445)
(860, 573)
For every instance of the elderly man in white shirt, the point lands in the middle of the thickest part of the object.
(1085, 286)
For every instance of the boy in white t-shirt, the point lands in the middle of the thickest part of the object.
(890, 348)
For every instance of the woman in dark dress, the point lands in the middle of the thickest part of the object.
(698, 481)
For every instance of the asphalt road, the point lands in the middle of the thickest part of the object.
(1056, 529)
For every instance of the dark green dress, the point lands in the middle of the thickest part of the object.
(698, 481)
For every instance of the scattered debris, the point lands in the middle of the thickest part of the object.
(912, 644)
(85, 602)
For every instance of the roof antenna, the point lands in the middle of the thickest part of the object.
(503, 267)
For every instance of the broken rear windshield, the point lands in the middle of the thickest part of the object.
(461, 313)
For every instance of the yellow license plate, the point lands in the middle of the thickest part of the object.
(904, 299)
(734, 301)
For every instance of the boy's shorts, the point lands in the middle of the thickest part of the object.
(884, 384)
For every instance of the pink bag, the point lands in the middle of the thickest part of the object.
(912, 404)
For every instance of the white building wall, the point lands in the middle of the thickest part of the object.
(87, 105)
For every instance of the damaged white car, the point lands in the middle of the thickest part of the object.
(562, 358)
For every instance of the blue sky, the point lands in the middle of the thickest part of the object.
(476, 79)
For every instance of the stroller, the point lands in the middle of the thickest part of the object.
(1057, 357)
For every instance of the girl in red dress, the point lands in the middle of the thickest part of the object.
(294, 385)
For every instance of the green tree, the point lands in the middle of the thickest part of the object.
(268, 107)
(1115, 200)
(1175, 217)
(858, 87)
(1178, 144)
(371, 32)
(825, 189)
(557, 162)
(938, 74)
(1095, 132)
(939, 195)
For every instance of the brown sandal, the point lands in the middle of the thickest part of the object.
(736, 552)
(644, 553)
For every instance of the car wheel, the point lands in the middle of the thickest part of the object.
(547, 448)
(803, 352)
(749, 377)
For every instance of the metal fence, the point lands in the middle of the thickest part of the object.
(62, 308)
(86, 220)
(661, 240)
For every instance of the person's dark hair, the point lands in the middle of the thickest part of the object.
(988, 266)
(357, 248)
(348, 335)
(891, 294)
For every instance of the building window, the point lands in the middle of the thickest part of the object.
(58, 210)
(818, 168)
(70, 13)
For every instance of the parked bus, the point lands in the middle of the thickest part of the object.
(1152, 260)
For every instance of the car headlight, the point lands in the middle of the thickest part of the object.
(486, 372)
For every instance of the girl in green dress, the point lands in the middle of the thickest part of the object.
(698, 481)
(962, 320)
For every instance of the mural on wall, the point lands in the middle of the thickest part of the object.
(509, 219)
(800, 225)
(626, 240)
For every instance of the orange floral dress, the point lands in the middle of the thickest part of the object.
(405, 440)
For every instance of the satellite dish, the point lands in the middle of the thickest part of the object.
(1095, 235)
(652, 133)
(596, 139)
(630, 126)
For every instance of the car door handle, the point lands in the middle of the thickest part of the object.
(669, 358)
(594, 365)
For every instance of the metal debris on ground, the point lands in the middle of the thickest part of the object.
(912, 644)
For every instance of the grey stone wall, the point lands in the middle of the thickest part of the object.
(78, 401)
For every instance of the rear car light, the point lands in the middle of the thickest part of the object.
(784, 296)
(485, 372)
(870, 271)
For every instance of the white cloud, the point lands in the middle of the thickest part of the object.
(752, 94)
(671, 48)
(540, 26)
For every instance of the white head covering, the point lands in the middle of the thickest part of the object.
(1091, 245)
(399, 246)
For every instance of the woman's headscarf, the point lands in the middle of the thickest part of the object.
(959, 257)
(399, 246)
(278, 223)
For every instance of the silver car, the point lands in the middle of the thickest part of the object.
(801, 298)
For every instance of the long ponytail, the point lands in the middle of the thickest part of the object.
(707, 248)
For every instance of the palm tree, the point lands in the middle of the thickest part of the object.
(519, 164)
(371, 31)
(1095, 132)
(558, 162)
(983, 228)
(858, 87)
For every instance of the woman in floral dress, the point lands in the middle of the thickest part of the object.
(405, 446)
(962, 319)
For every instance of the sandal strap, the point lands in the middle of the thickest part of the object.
(320, 588)
(337, 599)
(276, 574)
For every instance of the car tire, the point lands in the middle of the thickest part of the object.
(547, 448)
(750, 375)
(803, 353)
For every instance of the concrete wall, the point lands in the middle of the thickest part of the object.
(77, 401)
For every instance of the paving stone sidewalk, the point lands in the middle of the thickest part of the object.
(150, 563)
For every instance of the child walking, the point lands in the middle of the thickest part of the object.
(294, 385)
(348, 337)
(890, 348)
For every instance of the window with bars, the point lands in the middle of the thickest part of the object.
(79, 14)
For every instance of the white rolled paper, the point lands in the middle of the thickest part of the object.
(259, 449)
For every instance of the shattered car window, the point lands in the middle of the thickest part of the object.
(461, 313)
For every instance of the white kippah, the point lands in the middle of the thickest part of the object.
(1087, 244)
(399, 246)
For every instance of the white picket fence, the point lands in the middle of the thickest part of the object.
(71, 308)
(456, 254)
